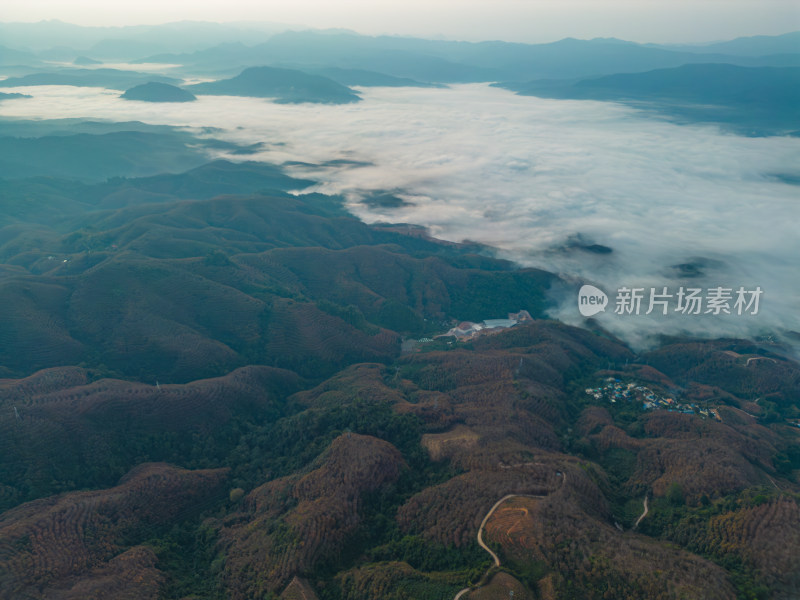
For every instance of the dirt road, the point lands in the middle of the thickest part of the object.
(643, 515)
(481, 543)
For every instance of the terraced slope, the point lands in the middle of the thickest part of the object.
(70, 545)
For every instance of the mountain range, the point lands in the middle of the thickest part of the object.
(284, 85)
(706, 83)
(217, 383)
(107, 78)
(453, 62)
(752, 100)
(153, 91)
(203, 378)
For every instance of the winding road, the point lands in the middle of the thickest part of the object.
(481, 543)
(643, 515)
(754, 358)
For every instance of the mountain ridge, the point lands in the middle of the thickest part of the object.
(282, 85)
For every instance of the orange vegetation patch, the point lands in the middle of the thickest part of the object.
(593, 419)
(298, 589)
(444, 445)
(451, 512)
(362, 380)
(648, 373)
(500, 588)
(514, 526)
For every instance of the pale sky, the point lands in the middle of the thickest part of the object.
(513, 20)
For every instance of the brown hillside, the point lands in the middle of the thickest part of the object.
(178, 289)
(55, 427)
(298, 589)
(768, 536)
(450, 513)
(501, 587)
(394, 581)
(704, 456)
(364, 380)
(737, 366)
(603, 562)
(74, 542)
(289, 524)
(131, 575)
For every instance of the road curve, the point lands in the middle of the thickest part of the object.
(488, 516)
(754, 358)
(643, 515)
(461, 593)
(485, 519)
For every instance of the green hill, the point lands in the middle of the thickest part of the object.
(114, 79)
(97, 157)
(85, 61)
(153, 91)
(760, 99)
(283, 85)
(179, 289)
(365, 78)
(757, 45)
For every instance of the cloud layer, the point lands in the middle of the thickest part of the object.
(537, 179)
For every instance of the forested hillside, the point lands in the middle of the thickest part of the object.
(206, 395)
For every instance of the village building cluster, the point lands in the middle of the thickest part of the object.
(467, 330)
(616, 391)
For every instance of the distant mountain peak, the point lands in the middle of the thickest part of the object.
(153, 91)
(283, 85)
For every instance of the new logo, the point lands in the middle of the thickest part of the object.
(591, 300)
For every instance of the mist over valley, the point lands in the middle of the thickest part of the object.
(305, 313)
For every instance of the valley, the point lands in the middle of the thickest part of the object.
(292, 315)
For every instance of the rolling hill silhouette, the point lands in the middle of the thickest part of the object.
(282, 85)
(764, 99)
(154, 91)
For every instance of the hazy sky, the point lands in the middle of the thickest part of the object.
(515, 20)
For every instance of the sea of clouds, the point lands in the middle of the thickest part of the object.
(538, 180)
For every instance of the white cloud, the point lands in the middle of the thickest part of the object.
(527, 175)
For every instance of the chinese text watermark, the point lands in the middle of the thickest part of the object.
(665, 300)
